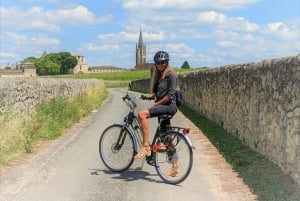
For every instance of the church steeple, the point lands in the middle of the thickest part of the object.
(140, 51)
(141, 43)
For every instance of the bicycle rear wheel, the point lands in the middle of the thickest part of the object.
(176, 150)
(116, 148)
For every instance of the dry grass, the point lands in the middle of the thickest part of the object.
(12, 140)
(18, 135)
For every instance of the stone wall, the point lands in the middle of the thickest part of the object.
(258, 102)
(24, 94)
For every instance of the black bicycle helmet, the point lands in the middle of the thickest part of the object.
(161, 56)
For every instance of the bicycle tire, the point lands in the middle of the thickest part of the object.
(116, 159)
(184, 152)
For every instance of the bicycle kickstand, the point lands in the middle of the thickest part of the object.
(142, 164)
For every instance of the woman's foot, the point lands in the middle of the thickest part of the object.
(144, 151)
(174, 172)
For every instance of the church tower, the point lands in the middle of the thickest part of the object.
(140, 51)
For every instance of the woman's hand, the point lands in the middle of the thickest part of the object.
(151, 96)
(166, 99)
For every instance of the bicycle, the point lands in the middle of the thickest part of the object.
(119, 143)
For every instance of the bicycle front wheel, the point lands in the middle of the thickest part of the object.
(116, 148)
(174, 160)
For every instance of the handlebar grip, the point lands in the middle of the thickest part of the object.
(143, 97)
(126, 97)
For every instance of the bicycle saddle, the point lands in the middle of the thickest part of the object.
(165, 117)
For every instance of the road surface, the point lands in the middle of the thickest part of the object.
(69, 168)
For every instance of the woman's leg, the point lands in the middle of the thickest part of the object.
(143, 117)
(145, 149)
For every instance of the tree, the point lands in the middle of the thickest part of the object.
(185, 65)
(53, 63)
(30, 59)
(52, 68)
(46, 66)
(65, 60)
(68, 63)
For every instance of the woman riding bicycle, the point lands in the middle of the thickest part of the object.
(163, 91)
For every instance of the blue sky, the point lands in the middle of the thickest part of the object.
(202, 32)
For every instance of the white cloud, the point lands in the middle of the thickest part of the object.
(45, 26)
(227, 43)
(185, 4)
(284, 31)
(222, 21)
(34, 1)
(45, 41)
(77, 15)
(117, 37)
(19, 39)
(205, 59)
(180, 48)
(16, 38)
(198, 31)
(158, 36)
(7, 55)
(212, 17)
(36, 18)
(22, 46)
(105, 48)
(131, 37)
(248, 37)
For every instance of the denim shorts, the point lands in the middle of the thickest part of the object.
(169, 109)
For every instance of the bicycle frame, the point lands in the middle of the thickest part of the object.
(170, 148)
(132, 124)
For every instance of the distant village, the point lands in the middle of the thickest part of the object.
(28, 69)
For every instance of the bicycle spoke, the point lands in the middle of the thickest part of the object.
(181, 156)
(116, 148)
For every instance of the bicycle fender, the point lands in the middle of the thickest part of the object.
(189, 141)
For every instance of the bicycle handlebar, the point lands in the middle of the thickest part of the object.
(143, 97)
(131, 101)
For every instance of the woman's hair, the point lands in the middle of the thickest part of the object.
(157, 75)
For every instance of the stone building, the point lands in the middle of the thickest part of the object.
(81, 66)
(27, 69)
(104, 69)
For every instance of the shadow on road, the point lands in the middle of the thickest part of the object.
(128, 175)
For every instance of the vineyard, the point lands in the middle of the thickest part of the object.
(126, 75)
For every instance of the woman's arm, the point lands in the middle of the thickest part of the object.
(151, 96)
(171, 88)
(164, 100)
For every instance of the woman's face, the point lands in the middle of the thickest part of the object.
(161, 65)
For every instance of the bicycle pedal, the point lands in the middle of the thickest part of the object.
(150, 161)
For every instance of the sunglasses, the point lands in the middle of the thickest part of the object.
(160, 63)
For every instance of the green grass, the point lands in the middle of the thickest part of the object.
(111, 76)
(127, 75)
(265, 179)
(18, 135)
(11, 138)
(116, 84)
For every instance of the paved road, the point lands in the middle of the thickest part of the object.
(69, 169)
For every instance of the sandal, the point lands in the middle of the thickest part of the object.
(144, 151)
(174, 172)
